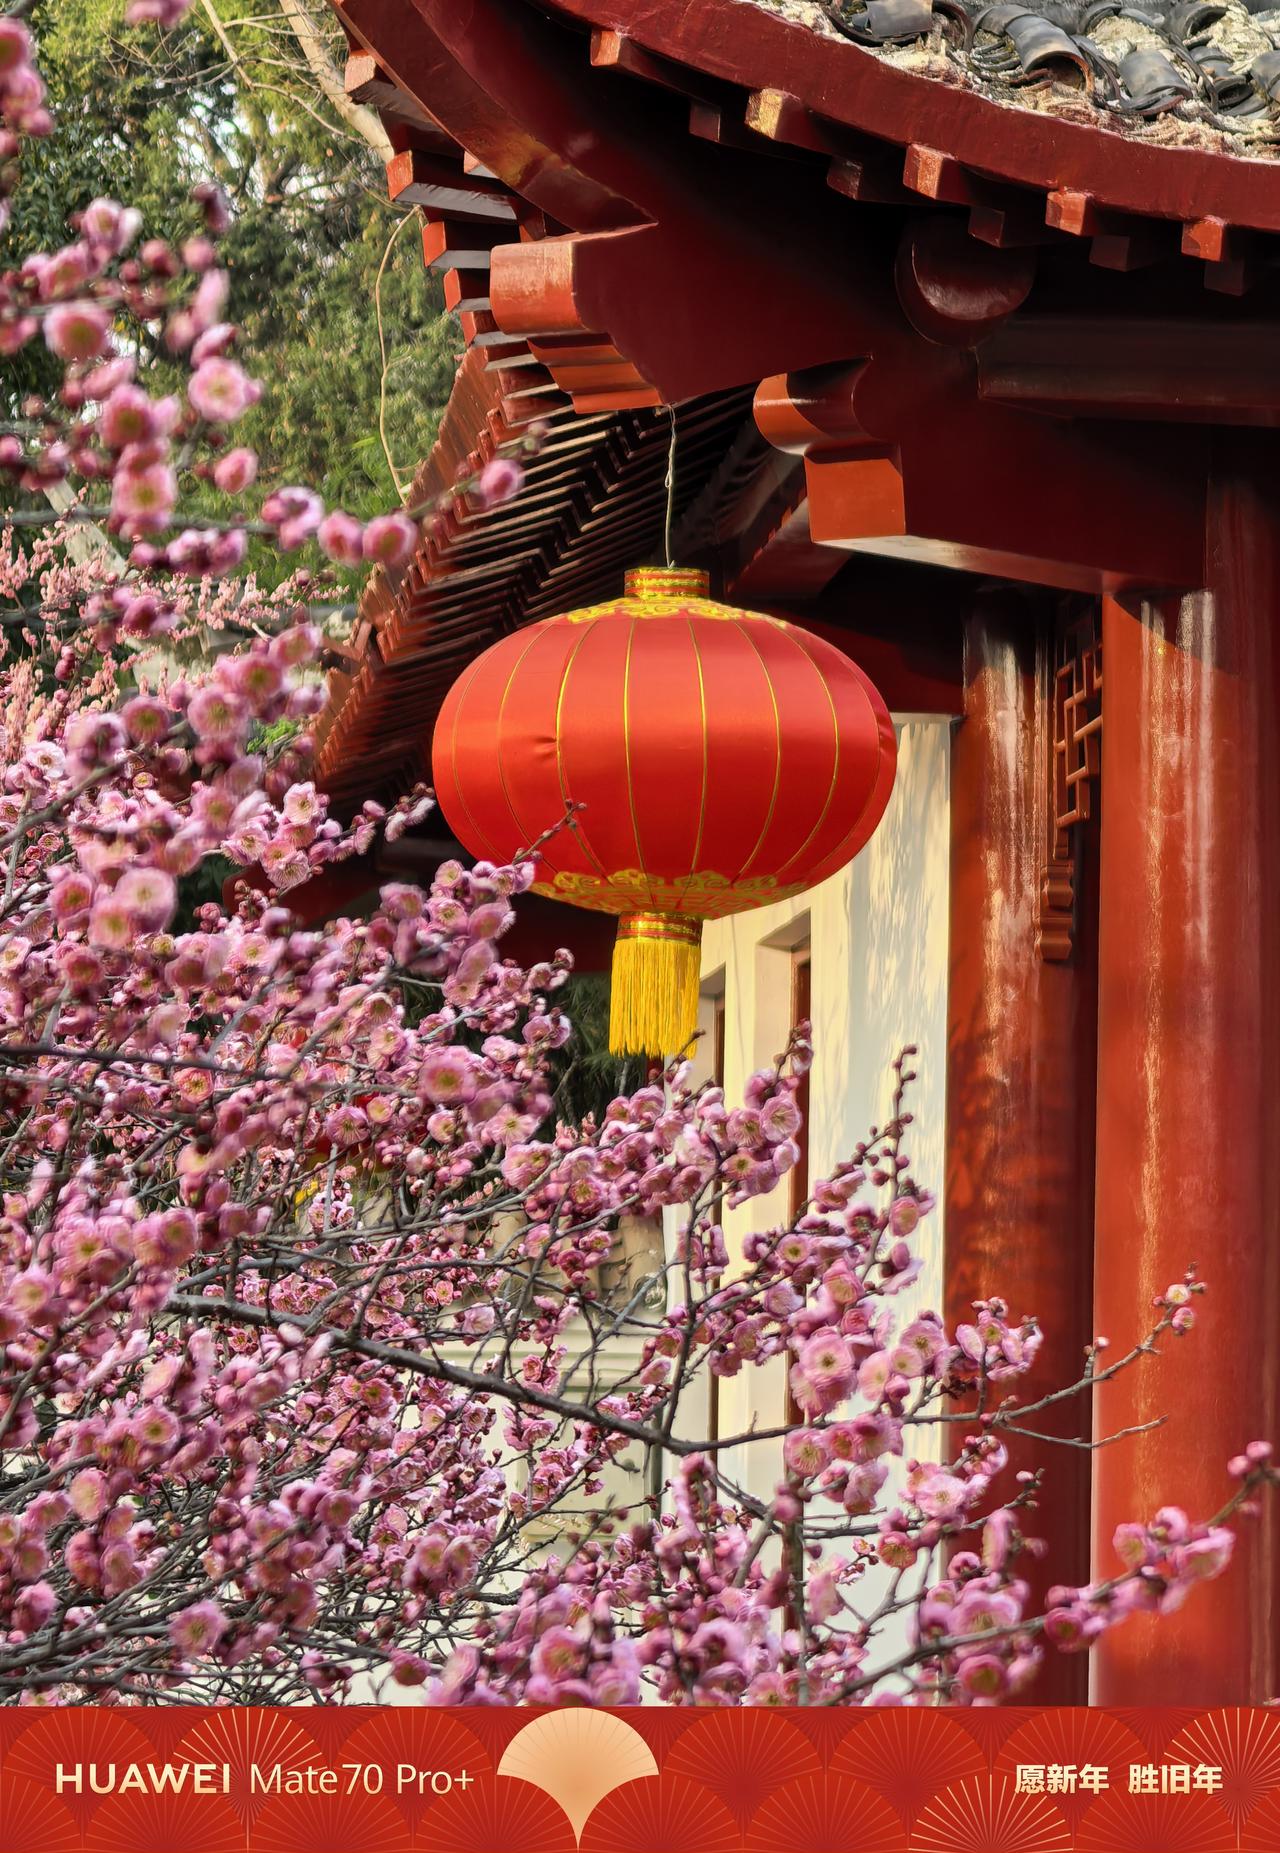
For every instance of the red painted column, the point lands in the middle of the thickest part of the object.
(1019, 1197)
(1189, 1076)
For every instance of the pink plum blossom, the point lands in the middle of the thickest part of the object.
(221, 391)
(389, 540)
(131, 416)
(295, 513)
(111, 226)
(77, 330)
(236, 471)
(308, 1256)
(197, 1629)
(501, 480)
(143, 499)
(342, 538)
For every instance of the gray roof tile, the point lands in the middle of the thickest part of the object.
(1212, 64)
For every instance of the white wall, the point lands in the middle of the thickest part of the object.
(878, 935)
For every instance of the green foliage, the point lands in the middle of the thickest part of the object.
(586, 1075)
(205, 883)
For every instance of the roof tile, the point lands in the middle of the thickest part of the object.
(1207, 64)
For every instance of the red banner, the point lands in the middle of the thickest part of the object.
(356, 1780)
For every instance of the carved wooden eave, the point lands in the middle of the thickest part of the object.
(956, 318)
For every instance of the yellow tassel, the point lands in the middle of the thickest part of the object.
(656, 968)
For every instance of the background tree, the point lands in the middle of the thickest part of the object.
(233, 93)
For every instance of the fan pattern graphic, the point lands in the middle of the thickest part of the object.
(164, 1824)
(1156, 1824)
(909, 1756)
(826, 1814)
(73, 1737)
(1261, 1832)
(1245, 1745)
(36, 1821)
(742, 1756)
(334, 1824)
(500, 1817)
(394, 1739)
(243, 1741)
(1072, 1739)
(876, 1780)
(662, 1815)
(988, 1812)
(1156, 1724)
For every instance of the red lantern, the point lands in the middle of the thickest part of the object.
(722, 760)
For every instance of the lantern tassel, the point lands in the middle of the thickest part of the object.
(656, 968)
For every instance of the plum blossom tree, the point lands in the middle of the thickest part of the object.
(305, 1342)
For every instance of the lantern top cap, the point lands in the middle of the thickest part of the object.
(668, 582)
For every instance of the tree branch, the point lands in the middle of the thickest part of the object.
(355, 115)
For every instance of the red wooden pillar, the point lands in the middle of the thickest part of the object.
(1019, 1199)
(1188, 1094)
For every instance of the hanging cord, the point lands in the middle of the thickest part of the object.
(671, 485)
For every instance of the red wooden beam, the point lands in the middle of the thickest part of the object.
(1202, 369)
(954, 288)
(1118, 241)
(900, 623)
(449, 244)
(678, 296)
(889, 451)
(1232, 256)
(1004, 216)
(366, 82)
(614, 51)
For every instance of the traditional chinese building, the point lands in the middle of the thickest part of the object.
(968, 325)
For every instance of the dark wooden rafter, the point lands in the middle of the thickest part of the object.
(368, 84)
(631, 199)
(577, 309)
(1131, 201)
